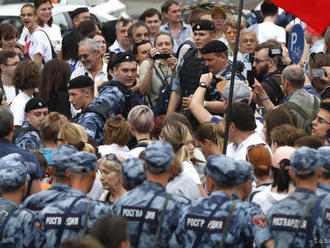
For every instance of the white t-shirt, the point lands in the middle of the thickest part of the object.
(10, 92)
(37, 42)
(17, 107)
(53, 32)
(266, 198)
(184, 185)
(268, 30)
(188, 169)
(239, 152)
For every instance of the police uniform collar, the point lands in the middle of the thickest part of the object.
(220, 193)
(159, 185)
(10, 202)
(304, 190)
(60, 186)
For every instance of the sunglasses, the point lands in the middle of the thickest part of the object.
(112, 157)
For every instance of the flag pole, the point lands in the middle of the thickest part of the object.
(232, 79)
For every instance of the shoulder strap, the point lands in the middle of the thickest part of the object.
(145, 210)
(54, 55)
(65, 216)
(207, 220)
(314, 215)
(187, 42)
(5, 216)
(87, 213)
(297, 108)
(141, 144)
(227, 224)
(102, 110)
(159, 228)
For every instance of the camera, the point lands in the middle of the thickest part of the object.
(160, 56)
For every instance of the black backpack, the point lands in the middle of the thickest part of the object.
(102, 110)
(131, 99)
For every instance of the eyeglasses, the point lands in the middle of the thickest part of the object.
(257, 61)
(321, 120)
(112, 157)
(229, 33)
(13, 64)
(248, 40)
(190, 142)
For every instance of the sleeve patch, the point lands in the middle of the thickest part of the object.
(259, 220)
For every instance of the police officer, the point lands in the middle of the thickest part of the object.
(291, 221)
(216, 220)
(73, 214)
(94, 111)
(191, 67)
(17, 225)
(120, 91)
(133, 173)
(322, 232)
(28, 136)
(152, 214)
(323, 186)
(61, 158)
(257, 223)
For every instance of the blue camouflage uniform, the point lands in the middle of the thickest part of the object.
(73, 214)
(152, 214)
(18, 225)
(28, 138)
(61, 160)
(285, 218)
(324, 153)
(322, 235)
(114, 96)
(206, 223)
(133, 173)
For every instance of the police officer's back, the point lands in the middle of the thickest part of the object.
(216, 220)
(17, 225)
(61, 160)
(323, 186)
(152, 214)
(291, 220)
(73, 214)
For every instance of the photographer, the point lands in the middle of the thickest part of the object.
(155, 73)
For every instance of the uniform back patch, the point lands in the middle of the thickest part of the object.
(196, 223)
(327, 216)
(54, 221)
(132, 213)
(289, 223)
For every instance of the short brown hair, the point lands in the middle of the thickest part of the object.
(27, 75)
(149, 13)
(5, 54)
(260, 158)
(117, 130)
(7, 31)
(286, 135)
(51, 126)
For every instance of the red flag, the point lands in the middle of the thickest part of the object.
(313, 12)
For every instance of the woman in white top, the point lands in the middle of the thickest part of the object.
(37, 45)
(26, 78)
(176, 133)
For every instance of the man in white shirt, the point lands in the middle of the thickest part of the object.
(122, 43)
(89, 53)
(8, 64)
(242, 133)
(267, 29)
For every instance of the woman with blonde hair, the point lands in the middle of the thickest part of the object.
(176, 134)
(111, 178)
(117, 134)
(210, 137)
(74, 134)
(49, 129)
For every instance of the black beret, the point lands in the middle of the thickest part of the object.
(78, 11)
(122, 57)
(35, 103)
(214, 46)
(80, 82)
(204, 25)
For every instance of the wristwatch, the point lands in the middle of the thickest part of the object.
(203, 84)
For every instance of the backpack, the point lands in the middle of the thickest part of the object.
(188, 42)
(131, 99)
(103, 110)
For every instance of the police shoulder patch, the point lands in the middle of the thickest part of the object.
(259, 220)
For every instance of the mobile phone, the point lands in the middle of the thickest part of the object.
(250, 77)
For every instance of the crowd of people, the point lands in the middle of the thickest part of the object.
(113, 136)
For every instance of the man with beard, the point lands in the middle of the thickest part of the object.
(90, 56)
(267, 58)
